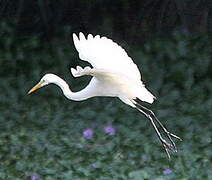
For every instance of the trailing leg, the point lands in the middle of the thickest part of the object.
(151, 116)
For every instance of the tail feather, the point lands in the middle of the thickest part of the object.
(139, 101)
(146, 96)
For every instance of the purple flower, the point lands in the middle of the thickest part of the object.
(109, 129)
(88, 133)
(34, 176)
(167, 171)
(94, 165)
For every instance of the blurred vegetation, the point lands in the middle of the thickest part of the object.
(42, 133)
(125, 19)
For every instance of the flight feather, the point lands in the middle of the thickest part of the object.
(103, 53)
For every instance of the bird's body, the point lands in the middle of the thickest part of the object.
(105, 83)
(114, 74)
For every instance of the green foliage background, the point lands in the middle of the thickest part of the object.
(124, 19)
(42, 133)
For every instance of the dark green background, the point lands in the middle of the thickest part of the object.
(170, 41)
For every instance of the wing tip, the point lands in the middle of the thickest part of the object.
(75, 40)
(79, 71)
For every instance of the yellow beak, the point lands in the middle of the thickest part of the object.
(37, 86)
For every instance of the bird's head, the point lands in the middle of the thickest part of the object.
(45, 80)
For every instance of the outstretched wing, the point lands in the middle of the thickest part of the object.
(103, 53)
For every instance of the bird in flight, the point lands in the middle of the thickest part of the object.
(113, 74)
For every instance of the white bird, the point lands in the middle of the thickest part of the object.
(114, 74)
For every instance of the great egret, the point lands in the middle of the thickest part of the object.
(114, 74)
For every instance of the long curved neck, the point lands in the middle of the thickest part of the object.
(76, 96)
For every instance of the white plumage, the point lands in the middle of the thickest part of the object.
(114, 74)
(103, 53)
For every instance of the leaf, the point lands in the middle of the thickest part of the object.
(138, 174)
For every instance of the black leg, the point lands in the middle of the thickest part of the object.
(151, 116)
